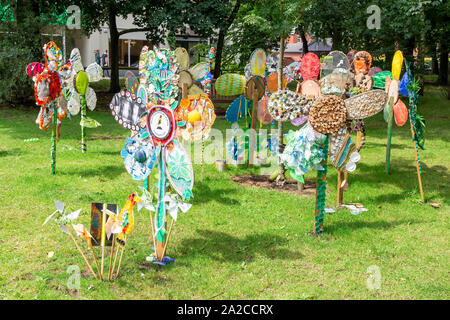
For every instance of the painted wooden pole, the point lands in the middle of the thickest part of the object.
(340, 190)
(389, 137)
(321, 188)
(96, 261)
(53, 147)
(419, 177)
(251, 148)
(161, 234)
(103, 236)
(83, 116)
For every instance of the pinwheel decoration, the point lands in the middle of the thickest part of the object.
(79, 95)
(47, 80)
(325, 134)
(62, 217)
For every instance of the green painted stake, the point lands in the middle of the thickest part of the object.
(53, 147)
(321, 189)
(389, 137)
(83, 116)
(161, 235)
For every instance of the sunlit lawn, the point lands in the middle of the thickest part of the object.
(235, 242)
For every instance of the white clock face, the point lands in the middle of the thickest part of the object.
(160, 125)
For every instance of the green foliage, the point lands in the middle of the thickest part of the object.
(21, 43)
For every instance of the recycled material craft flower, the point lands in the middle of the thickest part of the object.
(139, 155)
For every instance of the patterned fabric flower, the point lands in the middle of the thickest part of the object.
(303, 151)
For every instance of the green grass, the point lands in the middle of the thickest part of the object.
(235, 242)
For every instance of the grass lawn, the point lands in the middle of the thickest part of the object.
(235, 242)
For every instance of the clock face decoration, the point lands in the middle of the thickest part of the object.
(160, 124)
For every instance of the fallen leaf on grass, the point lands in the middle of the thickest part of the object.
(435, 204)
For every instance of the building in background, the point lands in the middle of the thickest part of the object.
(294, 47)
(130, 44)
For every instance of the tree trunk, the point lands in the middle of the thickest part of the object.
(435, 62)
(443, 68)
(221, 39)
(280, 180)
(219, 49)
(114, 50)
(304, 41)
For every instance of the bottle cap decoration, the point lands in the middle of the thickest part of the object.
(362, 62)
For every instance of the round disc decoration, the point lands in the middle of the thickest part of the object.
(328, 114)
(161, 124)
(230, 84)
(263, 112)
(255, 83)
(310, 66)
(258, 62)
(310, 88)
(272, 82)
(185, 77)
(362, 62)
(334, 60)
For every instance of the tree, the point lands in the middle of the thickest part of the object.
(248, 32)
(158, 18)
(21, 42)
(212, 19)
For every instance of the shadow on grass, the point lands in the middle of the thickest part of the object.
(404, 176)
(338, 227)
(9, 153)
(105, 171)
(203, 193)
(224, 247)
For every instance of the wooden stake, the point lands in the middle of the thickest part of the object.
(153, 232)
(167, 239)
(184, 91)
(359, 136)
(389, 137)
(340, 190)
(111, 256)
(251, 147)
(96, 262)
(300, 187)
(115, 260)
(419, 177)
(82, 254)
(121, 256)
(103, 236)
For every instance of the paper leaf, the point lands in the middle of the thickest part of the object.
(50, 217)
(73, 215)
(63, 228)
(59, 205)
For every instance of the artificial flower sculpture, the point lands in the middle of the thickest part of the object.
(326, 133)
(47, 80)
(79, 95)
(156, 118)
